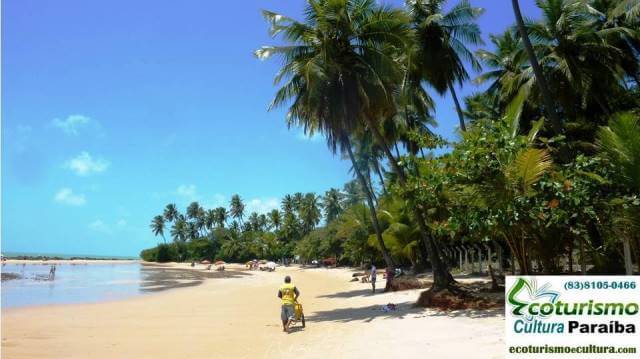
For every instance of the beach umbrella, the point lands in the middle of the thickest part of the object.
(220, 263)
(205, 262)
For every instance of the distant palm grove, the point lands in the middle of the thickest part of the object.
(544, 176)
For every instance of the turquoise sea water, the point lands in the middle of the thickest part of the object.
(85, 283)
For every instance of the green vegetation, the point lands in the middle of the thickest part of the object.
(546, 166)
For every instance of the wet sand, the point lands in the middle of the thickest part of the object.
(238, 317)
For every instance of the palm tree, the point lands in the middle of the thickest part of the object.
(236, 208)
(310, 212)
(254, 221)
(220, 216)
(332, 204)
(353, 193)
(620, 144)
(442, 39)
(288, 204)
(179, 231)
(157, 226)
(327, 75)
(579, 55)
(510, 76)
(275, 219)
(171, 212)
(298, 199)
(210, 219)
(549, 106)
(193, 210)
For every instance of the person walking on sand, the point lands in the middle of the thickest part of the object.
(289, 294)
(373, 277)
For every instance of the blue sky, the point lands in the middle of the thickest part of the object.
(110, 110)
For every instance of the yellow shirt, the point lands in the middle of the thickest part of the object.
(288, 294)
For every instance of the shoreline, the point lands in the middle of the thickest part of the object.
(70, 261)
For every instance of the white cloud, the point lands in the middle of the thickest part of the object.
(84, 164)
(261, 205)
(121, 223)
(98, 226)
(188, 192)
(72, 124)
(66, 196)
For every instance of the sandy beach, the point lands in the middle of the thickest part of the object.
(239, 318)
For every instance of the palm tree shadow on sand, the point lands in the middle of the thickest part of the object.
(403, 310)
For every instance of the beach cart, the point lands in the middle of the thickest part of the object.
(299, 314)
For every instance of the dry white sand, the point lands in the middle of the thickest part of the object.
(239, 318)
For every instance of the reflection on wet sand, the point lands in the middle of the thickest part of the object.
(156, 278)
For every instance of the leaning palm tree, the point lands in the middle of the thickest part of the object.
(236, 208)
(442, 38)
(329, 70)
(157, 227)
(342, 69)
(549, 105)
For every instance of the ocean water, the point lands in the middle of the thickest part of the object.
(86, 283)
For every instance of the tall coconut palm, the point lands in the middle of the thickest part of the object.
(298, 200)
(236, 208)
(254, 221)
(580, 55)
(310, 212)
(179, 230)
(342, 70)
(275, 219)
(510, 76)
(332, 204)
(210, 219)
(193, 210)
(353, 193)
(157, 227)
(442, 38)
(329, 70)
(220, 216)
(543, 85)
(288, 204)
(171, 212)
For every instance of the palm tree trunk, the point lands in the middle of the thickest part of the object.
(463, 127)
(442, 278)
(370, 184)
(549, 105)
(372, 208)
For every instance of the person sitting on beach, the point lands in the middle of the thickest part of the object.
(289, 294)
